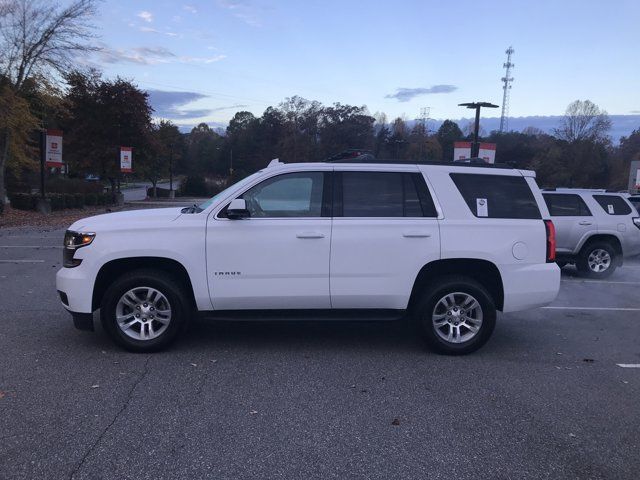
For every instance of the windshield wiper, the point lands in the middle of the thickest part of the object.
(192, 209)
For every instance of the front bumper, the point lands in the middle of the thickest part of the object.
(75, 285)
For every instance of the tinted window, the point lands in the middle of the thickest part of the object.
(384, 194)
(561, 205)
(497, 196)
(635, 201)
(289, 195)
(613, 204)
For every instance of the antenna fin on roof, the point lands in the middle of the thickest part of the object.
(275, 162)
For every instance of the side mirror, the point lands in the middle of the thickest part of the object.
(237, 209)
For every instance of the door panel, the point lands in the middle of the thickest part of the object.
(269, 263)
(374, 262)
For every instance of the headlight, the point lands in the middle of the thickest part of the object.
(73, 241)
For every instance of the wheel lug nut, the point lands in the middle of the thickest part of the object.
(137, 315)
(144, 304)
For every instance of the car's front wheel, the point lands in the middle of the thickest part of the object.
(597, 260)
(456, 315)
(144, 310)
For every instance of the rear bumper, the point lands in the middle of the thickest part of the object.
(529, 286)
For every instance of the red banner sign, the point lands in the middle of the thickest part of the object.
(54, 148)
(126, 159)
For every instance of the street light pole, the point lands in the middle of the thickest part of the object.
(475, 147)
(171, 170)
(231, 163)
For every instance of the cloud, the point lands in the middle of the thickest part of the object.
(635, 111)
(138, 55)
(150, 56)
(406, 94)
(230, 107)
(190, 8)
(206, 60)
(146, 16)
(242, 10)
(153, 30)
(167, 104)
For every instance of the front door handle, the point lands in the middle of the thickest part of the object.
(310, 235)
(415, 234)
(584, 223)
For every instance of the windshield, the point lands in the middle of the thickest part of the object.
(226, 191)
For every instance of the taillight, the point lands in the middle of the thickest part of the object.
(551, 241)
(636, 221)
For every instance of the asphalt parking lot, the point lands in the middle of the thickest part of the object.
(545, 398)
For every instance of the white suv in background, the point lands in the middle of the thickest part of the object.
(595, 230)
(448, 244)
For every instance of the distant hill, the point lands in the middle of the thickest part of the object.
(622, 125)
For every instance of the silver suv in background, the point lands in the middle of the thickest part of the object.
(595, 230)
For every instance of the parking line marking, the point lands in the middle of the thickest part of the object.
(614, 309)
(31, 246)
(602, 281)
(628, 365)
(21, 261)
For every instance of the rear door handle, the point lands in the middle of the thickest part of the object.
(585, 223)
(415, 234)
(310, 235)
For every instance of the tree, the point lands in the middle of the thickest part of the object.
(584, 120)
(344, 126)
(165, 149)
(36, 38)
(448, 133)
(104, 115)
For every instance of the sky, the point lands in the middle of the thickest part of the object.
(203, 60)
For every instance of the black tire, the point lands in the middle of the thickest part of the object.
(582, 262)
(433, 294)
(162, 282)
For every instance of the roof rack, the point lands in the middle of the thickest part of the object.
(365, 159)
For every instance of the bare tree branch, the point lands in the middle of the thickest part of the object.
(38, 37)
(584, 120)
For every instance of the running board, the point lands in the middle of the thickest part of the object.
(310, 315)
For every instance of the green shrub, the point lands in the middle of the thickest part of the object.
(72, 185)
(57, 201)
(23, 201)
(78, 200)
(69, 200)
(91, 199)
(198, 186)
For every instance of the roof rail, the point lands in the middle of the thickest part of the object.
(274, 163)
(481, 164)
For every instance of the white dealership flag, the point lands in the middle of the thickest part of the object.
(53, 148)
(638, 178)
(126, 159)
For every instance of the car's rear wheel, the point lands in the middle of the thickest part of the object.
(144, 310)
(456, 315)
(597, 260)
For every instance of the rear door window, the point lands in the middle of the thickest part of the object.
(382, 194)
(497, 196)
(566, 205)
(613, 204)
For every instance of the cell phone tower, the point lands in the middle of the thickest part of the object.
(506, 80)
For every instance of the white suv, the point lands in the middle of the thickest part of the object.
(448, 244)
(595, 229)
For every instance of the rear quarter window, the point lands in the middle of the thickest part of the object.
(566, 205)
(497, 196)
(613, 204)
